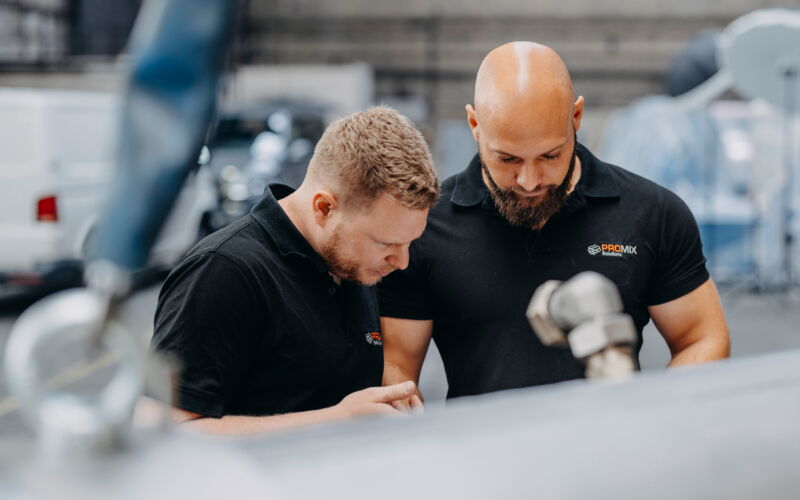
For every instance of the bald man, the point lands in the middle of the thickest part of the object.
(535, 205)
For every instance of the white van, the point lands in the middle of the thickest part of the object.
(56, 164)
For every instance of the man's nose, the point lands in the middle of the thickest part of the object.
(528, 177)
(399, 258)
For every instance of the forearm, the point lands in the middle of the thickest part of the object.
(710, 348)
(405, 344)
(395, 373)
(244, 425)
(694, 326)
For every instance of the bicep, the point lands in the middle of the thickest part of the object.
(690, 318)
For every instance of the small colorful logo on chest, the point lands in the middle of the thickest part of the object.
(374, 338)
(611, 249)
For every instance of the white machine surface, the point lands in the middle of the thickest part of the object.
(725, 430)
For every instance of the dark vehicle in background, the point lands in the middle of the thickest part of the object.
(264, 143)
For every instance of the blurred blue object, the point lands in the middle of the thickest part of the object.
(178, 48)
(704, 156)
(693, 65)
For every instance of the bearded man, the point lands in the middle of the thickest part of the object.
(535, 205)
(273, 319)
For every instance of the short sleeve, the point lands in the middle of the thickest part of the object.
(681, 265)
(405, 293)
(208, 320)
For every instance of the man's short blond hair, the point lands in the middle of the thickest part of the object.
(373, 152)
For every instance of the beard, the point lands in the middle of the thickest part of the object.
(342, 266)
(530, 212)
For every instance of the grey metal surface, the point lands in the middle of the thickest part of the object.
(726, 430)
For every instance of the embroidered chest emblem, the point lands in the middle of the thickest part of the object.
(611, 249)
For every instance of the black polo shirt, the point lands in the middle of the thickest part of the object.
(259, 325)
(473, 273)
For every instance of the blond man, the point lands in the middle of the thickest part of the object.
(274, 318)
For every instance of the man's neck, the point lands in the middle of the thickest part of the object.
(292, 206)
(576, 174)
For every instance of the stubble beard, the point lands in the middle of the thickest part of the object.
(341, 266)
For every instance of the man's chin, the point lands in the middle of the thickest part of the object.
(529, 203)
(370, 278)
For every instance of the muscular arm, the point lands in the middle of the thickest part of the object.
(693, 326)
(374, 400)
(405, 342)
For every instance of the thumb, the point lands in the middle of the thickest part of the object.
(394, 392)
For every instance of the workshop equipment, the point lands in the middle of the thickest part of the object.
(585, 314)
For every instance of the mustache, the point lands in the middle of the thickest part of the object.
(523, 210)
(541, 190)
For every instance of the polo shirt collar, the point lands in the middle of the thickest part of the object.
(596, 181)
(469, 189)
(288, 240)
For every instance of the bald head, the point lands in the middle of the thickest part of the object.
(525, 120)
(523, 76)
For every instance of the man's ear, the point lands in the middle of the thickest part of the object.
(323, 205)
(577, 113)
(472, 121)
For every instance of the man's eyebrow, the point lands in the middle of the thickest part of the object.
(502, 152)
(378, 240)
(553, 150)
(558, 147)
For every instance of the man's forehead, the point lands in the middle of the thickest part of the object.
(387, 217)
(521, 132)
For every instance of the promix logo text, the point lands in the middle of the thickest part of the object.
(611, 249)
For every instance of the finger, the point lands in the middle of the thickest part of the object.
(415, 404)
(387, 409)
(394, 392)
(401, 405)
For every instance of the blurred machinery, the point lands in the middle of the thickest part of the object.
(264, 143)
(732, 162)
(179, 48)
(726, 430)
(585, 314)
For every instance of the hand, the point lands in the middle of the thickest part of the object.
(411, 404)
(379, 400)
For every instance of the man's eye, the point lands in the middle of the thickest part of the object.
(508, 159)
(552, 157)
